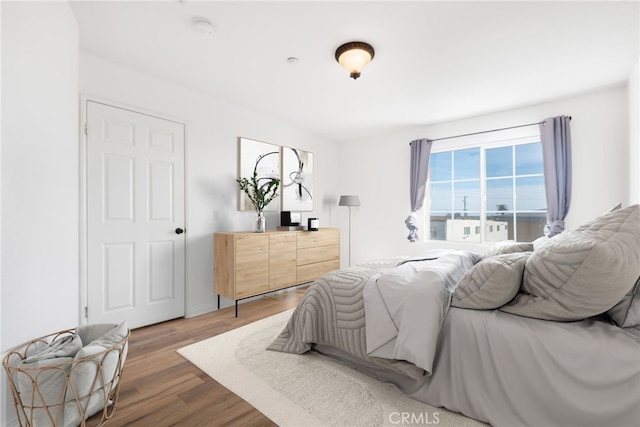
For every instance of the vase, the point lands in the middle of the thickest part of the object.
(261, 223)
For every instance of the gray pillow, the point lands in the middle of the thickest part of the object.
(615, 208)
(626, 313)
(539, 242)
(82, 378)
(582, 272)
(508, 247)
(491, 283)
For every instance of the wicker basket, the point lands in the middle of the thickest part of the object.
(50, 395)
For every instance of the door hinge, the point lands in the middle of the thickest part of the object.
(86, 312)
(86, 128)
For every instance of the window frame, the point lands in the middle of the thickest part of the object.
(483, 142)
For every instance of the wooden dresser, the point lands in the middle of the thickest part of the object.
(247, 264)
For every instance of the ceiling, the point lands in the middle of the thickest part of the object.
(434, 61)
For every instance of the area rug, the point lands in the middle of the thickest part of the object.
(308, 389)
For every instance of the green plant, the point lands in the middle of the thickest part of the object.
(261, 191)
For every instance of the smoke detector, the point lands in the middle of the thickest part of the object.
(203, 26)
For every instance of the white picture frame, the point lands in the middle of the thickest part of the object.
(266, 158)
(297, 180)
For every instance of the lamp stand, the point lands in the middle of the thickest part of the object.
(349, 201)
(349, 236)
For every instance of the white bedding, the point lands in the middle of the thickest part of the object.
(406, 306)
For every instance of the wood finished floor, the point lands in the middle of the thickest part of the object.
(161, 388)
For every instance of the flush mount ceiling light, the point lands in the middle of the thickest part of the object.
(354, 56)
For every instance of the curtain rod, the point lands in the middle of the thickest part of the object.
(492, 130)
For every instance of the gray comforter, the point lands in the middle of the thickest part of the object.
(396, 297)
(331, 313)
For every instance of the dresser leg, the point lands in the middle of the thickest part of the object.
(218, 302)
(236, 308)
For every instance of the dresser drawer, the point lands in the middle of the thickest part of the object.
(322, 237)
(310, 272)
(318, 254)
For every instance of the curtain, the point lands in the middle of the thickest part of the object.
(556, 152)
(420, 150)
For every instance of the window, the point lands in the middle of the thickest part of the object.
(497, 188)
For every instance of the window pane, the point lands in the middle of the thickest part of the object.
(514, 199)
(466, 196)
(529, 159)
(499, 162)
(438, 224)
(530, 226)
(497, 228)
(463, 227)
(530, 195)
(500, 194)
(501, 219)
(440, 197)
(466, 164)
(440, 166)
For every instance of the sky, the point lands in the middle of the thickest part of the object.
(514, 176)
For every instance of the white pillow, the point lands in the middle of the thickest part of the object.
(90, 333)
(85, 370)
(46, 371)
(49, 377)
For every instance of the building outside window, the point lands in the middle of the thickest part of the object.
(495, 187)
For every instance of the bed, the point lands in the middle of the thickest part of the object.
(533, 335)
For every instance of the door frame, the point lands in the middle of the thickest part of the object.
(83, 198)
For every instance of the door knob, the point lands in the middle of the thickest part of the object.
(179, 231)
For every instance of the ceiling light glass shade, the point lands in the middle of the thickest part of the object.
(349, 201)
(354, 56)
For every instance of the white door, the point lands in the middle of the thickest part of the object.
(135, 217)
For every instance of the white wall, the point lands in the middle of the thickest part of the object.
(634, 134)
(213, 127)
(377, 169)
(39, 174)
(3, 381)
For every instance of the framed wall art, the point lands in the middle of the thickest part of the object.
(264, 158)
(297, 180)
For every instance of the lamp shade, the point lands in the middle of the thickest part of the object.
(349, 201)
(354, 56)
